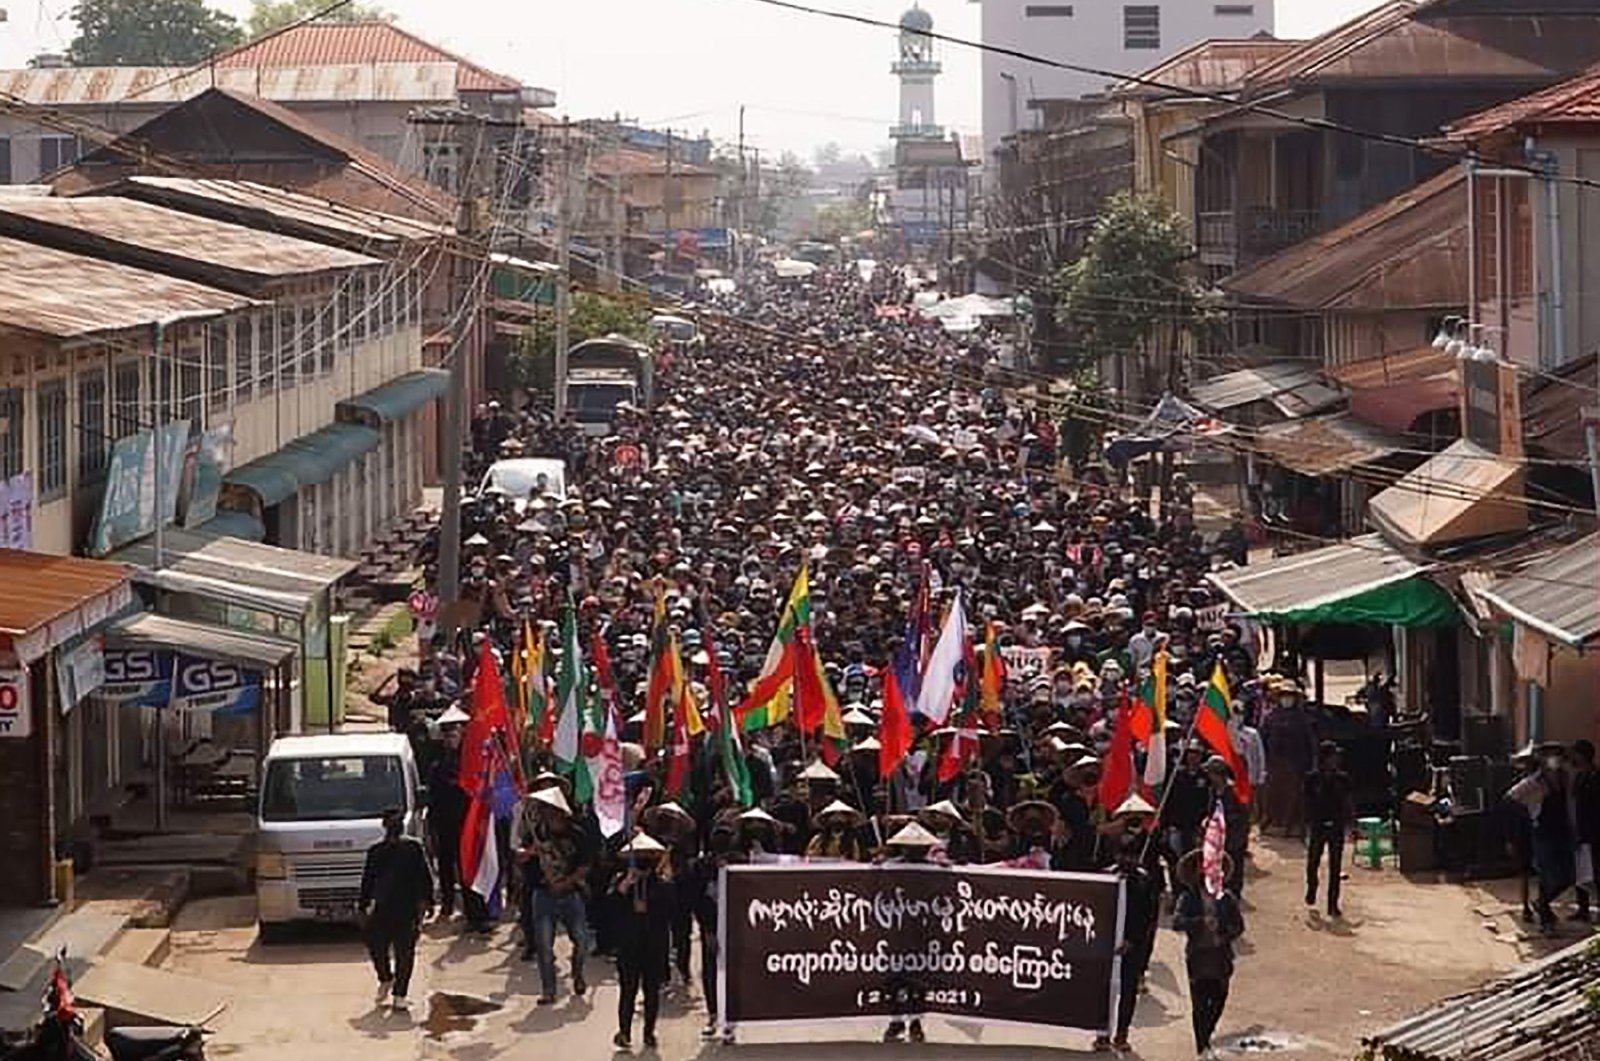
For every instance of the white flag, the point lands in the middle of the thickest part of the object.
(610, 791)
(943, 675)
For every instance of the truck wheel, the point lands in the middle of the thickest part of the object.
(270, 932)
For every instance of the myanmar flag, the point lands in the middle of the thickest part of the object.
(771, 699)
(1149, 721)
(1211, 724)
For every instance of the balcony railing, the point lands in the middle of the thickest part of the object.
(1227, 237)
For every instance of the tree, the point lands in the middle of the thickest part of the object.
(269, 15)
(828, 154)
(149, 32)
(592, 315)
(1131, 289)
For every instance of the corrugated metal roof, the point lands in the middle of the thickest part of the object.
(63, 295)
(643, 163)
(1408, 252)
(1403, 367)
(408, 82)
(1293, 386)
(1321, 576)
(238, 198)
(1463, 492)
(1560, 596)
(1574, 102)
(145, 227)
(148, 630)
(283, 581)
(338, 43)
(1540, 1012)
(1552, 410)
(1214, 65)
(1327, 445)
(1388, 44)
(41, 588)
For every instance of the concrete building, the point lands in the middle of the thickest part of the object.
(1110, 35)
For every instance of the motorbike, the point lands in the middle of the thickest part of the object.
(58, 1036)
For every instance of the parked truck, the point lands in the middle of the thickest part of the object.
(605, 373)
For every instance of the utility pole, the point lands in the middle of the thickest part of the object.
(619, 213)
(564, 269)
(666, 206)
(738, 213)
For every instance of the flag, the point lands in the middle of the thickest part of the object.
(534, 675)
(519, 676)
(1212, 852)
(678, 751)
(1155, 695)
(662, 681)
(573, 708)
(894, 725)
(993, 681)
(480, 855)
(729, 746)
(489, 744)
(913, 655)
(1117, 777)
(1211, 724)
(771, 697)
(943, 674)
(963, 746)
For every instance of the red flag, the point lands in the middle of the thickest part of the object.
(1117, 777)
(490, 716)
(894, 725)
(962, 749)
(811, 699)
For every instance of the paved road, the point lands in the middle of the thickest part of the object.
(1308, 985)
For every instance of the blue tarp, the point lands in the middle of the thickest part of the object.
(307, 461)
(399, 398)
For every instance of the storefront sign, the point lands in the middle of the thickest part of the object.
(16, 714)
(821, 943)
(139, 677)
(128, 511)
(16, 512)
(80, 670)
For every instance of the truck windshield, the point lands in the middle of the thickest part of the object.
(342, 789)
(598, 401)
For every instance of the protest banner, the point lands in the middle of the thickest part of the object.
(838, 941)
(1023, 664)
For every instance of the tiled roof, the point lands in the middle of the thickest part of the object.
(1574, 102)
(346, 43)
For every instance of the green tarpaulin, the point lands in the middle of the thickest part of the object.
(1415, 601)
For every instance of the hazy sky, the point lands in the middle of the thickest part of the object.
(689, 64)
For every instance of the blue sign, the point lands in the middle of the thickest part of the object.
(138, 677)
(128, 511)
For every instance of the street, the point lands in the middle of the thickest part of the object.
(1306, 988)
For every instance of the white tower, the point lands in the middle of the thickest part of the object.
(916, 68)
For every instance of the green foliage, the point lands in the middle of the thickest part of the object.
(532, 367)
(1132, 278)
(149, 32)
(268, 15)
(836, 220)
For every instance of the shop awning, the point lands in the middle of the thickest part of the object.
(1327, 445)
(1364, 580)
(397, 399)
(1559, 597)
(307, 461)
(1294, 388)
(207, 640)
(1463, 492)
(248, 574)
(230, 524)
(50, 599)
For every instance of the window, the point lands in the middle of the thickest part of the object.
(244, 357)
(267, 343)
(1228, 10)
(324, 322)
(191, 393)
(10, 432)
(125, 414)
(439, 165)
(1048, 11)
(349, 303)
(52, 439)
(1141, 27)
(5, 160)
(165, 399)
(92, 442)
(55, 152)
(288, 339)
(217, 365)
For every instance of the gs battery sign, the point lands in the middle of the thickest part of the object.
(157, 678)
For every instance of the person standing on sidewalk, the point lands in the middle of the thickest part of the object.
(1585, 821)
(396, 894)
(1329, 812)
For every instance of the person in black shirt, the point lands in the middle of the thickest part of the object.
(1329, 813)
(447, 807)
(396, 894)
(1212, 923)
(1142, 884)
(647, 907)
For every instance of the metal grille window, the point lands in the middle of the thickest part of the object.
(191, 403)
(1141, 27)
(396, 303)
(267, 345)
(52, 439)
(126, 418)
(92, 441)
(244, 357)
(288, 339)
(349, 310)
(164, 383)
(217, 365)
(10, 432)
(311, 336)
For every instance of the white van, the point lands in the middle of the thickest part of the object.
(322, 804)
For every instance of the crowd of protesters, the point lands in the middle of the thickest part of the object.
(897, 467)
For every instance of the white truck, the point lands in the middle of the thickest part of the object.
(322, 802)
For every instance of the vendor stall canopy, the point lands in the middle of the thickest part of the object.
(1364, 580)
(248, 574)
(1559, 596)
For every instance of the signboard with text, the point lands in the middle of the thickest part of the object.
(822, 942)
(16, 710)
(128, 510)
(138, 677)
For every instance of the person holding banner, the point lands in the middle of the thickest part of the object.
(1142, 886)
(912, 844)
